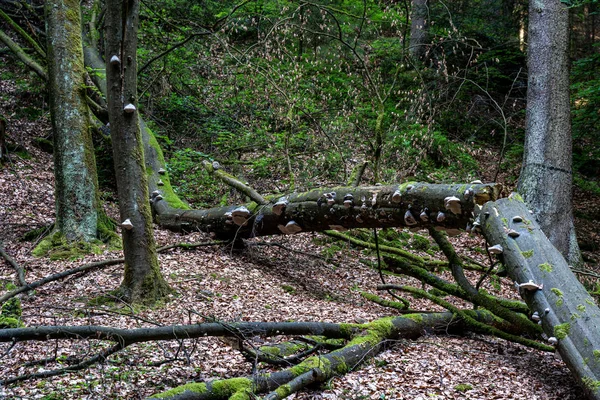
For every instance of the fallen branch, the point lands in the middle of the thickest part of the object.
(91, 266)
(19, 270)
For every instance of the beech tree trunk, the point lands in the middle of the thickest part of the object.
(546, 176)
(142, 281)
(74, 163)
(413, 205)
(568, 313)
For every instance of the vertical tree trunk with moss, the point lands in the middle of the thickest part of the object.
(142, 281)
(74, 163)
(546, 175)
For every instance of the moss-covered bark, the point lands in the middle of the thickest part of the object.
(142, 280)
(567, 311)
(74, 163)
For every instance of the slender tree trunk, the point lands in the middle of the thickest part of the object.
(546, 175)
(74, 163)
(418, 29)
(142, 281)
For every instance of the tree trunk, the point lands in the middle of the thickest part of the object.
(413, 205)
(546, 175)
(568, 313)
(74, 163)
(419, 25)
(142, 281)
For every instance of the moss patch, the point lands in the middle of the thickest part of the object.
(463, 387)
(562, 331)
(191, 387)
(546, 267)
(527, 254)
(559, 294)
(591, 384)
(56, 247)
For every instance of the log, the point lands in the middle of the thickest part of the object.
(568, 314)
(413, 205)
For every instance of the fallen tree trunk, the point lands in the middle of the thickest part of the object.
(413, 205)
(568, 314)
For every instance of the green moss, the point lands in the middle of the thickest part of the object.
(191, 387)
(229, 387)
(546, 267)
(596, 354)
(559, 294)
(505, 221)
(415, 317)
(106, 232)
(463, 387)
(527, 254)
(288, 289)
(284, 391)
(56, 247)
(574, 316)
(311, 363)
(9, 322)
(581, 308)
(562, 331)
(591, 384)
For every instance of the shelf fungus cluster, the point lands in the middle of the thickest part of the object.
(155, 196)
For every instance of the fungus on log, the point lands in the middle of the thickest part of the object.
(571, 317)
(320, 209)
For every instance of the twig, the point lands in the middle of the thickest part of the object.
(20, 271)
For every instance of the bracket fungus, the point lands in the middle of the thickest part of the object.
(348, 200)
(536, 316)
(452, 203)
(240, 215)
(553, 341)
(127, 224)
(338, 228)
(409, 219)
(115, 60)
(424, 216)
(531, 286)
(160, 183)
(162, 171)
(517, 218)
(129, 108)
(397, 196)
(330, 198)
(496, 249)
(440, 216)
(280, 206)
(513, 234)
(476, 182)
(290, 228)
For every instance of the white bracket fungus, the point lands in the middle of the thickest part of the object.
(129, 108)
(127, 224)
(452, 203)
(496, 249)
(279, 207)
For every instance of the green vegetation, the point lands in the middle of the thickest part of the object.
(562, 331)
(463, 387)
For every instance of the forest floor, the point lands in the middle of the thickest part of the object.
(274, 279)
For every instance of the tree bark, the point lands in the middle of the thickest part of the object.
(568, 313)
(419, 25)
(142, 281)
(546, 175)
(413, 205)
(74, 162)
